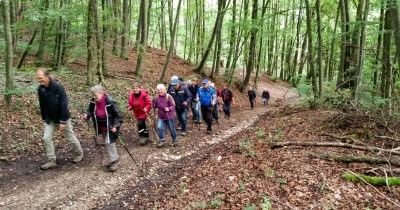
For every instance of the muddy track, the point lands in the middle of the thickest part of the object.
(86, 185)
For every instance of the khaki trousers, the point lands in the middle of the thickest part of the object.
(49, 130)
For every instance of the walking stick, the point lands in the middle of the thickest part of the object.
(127, 150)
(88, 127)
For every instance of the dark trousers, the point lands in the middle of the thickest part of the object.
(181, 115)
(215, 112)
(252, 102)
(207, 115)
(142, 128)
(227, 108)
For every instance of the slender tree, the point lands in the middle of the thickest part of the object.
(252, 51)
(218, 23)
(5, 8)
(125, 26)
(141, 47)
(171, 45)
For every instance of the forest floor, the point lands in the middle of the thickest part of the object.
(234, 168)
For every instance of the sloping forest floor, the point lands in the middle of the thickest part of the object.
(235, 168)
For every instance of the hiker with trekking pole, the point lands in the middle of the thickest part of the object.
(107, 120)
(139, 103)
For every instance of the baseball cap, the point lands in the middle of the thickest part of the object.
(205, 81)
(174, 81)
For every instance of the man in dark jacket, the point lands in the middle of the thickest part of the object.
(227, 99)
(54, 110)
(183, 99)
(193, 88)
(265, 97)
(252, 96)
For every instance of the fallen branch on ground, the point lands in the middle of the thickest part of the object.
(333, 144)
(379, 192)
(373, 180)
(354, 159)
(388, 138)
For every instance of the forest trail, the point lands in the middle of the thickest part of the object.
(85, 185)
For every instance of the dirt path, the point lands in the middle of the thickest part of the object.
(84, 185)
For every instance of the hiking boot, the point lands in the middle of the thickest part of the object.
(161, 143)
(113, 166)
(208, 131)
(183, 134)
(142, 141)
(174, 144)
(78, 158)
(48, 165)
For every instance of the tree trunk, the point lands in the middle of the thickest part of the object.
(13, 21)
(59, 41)
(218, 23)
(387, 72)
(361, 53)
(345, 51)
(141, 47)
(42, 41)
(5, 6)
(105, 26)
(125, 26)
(318, 7)
(232, 37)
(331, 58)
(27, 49)
(171, 42)
(296, 54)
(252, 51)
(311, 50)
(163, 29)
(379, 46)
(91, 44)
(115, 28)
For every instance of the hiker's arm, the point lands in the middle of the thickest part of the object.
(147, 105)
(130, 101)
(188, 96)
(64, 116)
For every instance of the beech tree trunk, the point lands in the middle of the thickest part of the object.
(5, 8)
(171, 45)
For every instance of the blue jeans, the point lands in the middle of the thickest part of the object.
(182, 118)
(161, 124)
(196, 111)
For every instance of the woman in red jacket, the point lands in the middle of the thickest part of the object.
(140, 103)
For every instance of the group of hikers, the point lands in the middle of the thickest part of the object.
(172, 104)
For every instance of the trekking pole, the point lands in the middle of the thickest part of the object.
(127, 150)
(88, 127)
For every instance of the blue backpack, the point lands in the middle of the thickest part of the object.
(205, 95)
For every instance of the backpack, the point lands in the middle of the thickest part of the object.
(205, 95)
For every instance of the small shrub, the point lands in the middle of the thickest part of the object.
(217, 201)
(250, 207)
(248, 148)
(199, 205)
(266, 204)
